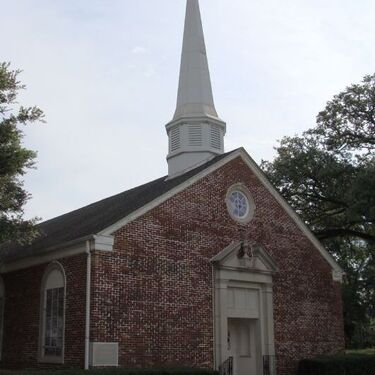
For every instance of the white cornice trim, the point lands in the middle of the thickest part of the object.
(241, 152)
(221, 255)
(257, 252)
(65, 250)
(43, 258)
(103, 243)
(196, 120)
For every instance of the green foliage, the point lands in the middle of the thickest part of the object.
(15, 159)
(352, 364)
(328, 176)
(121, 371)
(334, 195)
(348, 121)
(368, 351)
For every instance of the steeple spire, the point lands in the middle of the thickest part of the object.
(196, 133)
(194, 92)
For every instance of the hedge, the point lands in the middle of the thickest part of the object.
(349, 364)
(117, 371)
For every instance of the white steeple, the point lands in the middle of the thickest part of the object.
(196, 133)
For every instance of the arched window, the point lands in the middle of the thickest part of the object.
(2, 302)
(53, 314)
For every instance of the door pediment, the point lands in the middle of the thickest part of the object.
(244, 257)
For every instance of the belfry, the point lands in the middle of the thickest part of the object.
(196, 133)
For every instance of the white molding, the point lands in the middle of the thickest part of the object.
(97, 243)
(103, 243)
(257, 251)
(262, 178)
(239, 186)
(196, 120)
(234, 278)
(43, 258)
(337, 276)
(221, 255)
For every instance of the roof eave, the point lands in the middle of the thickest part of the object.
(63, 250)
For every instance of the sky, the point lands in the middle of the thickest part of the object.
(105, 72)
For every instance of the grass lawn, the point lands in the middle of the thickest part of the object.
(362, 351)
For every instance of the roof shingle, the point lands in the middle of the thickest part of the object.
(95, 217)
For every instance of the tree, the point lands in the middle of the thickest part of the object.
(328, 176)
(334, 195)
(15, 159)
(348, 121)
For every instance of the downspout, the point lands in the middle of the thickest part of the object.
(88, 300)
(214, 315)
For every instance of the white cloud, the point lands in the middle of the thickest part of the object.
(139, 51)
(107, 97)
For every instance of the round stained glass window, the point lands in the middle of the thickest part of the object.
(239, 204)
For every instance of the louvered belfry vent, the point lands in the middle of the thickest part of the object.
(195, 135)
(215, 137)
(175, 139)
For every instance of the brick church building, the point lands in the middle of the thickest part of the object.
(206, 267)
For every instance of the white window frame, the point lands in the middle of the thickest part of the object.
(42, 325)
(251, 204)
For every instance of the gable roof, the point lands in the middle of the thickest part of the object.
(98, 216)
(337, 271)
(106, 216)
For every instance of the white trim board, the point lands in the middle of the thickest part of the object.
(64, 250)
(43, 258)
(241, 152)
(104, 241)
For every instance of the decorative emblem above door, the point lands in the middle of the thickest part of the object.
(241, 255)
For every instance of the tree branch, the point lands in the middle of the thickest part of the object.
(342, 232)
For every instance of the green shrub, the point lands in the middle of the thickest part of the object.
(349, 364)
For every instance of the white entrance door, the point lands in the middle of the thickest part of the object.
(242, 346)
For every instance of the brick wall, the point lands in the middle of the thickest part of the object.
(22, 314)
(153, 294)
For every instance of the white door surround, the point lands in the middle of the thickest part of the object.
(243, 307)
